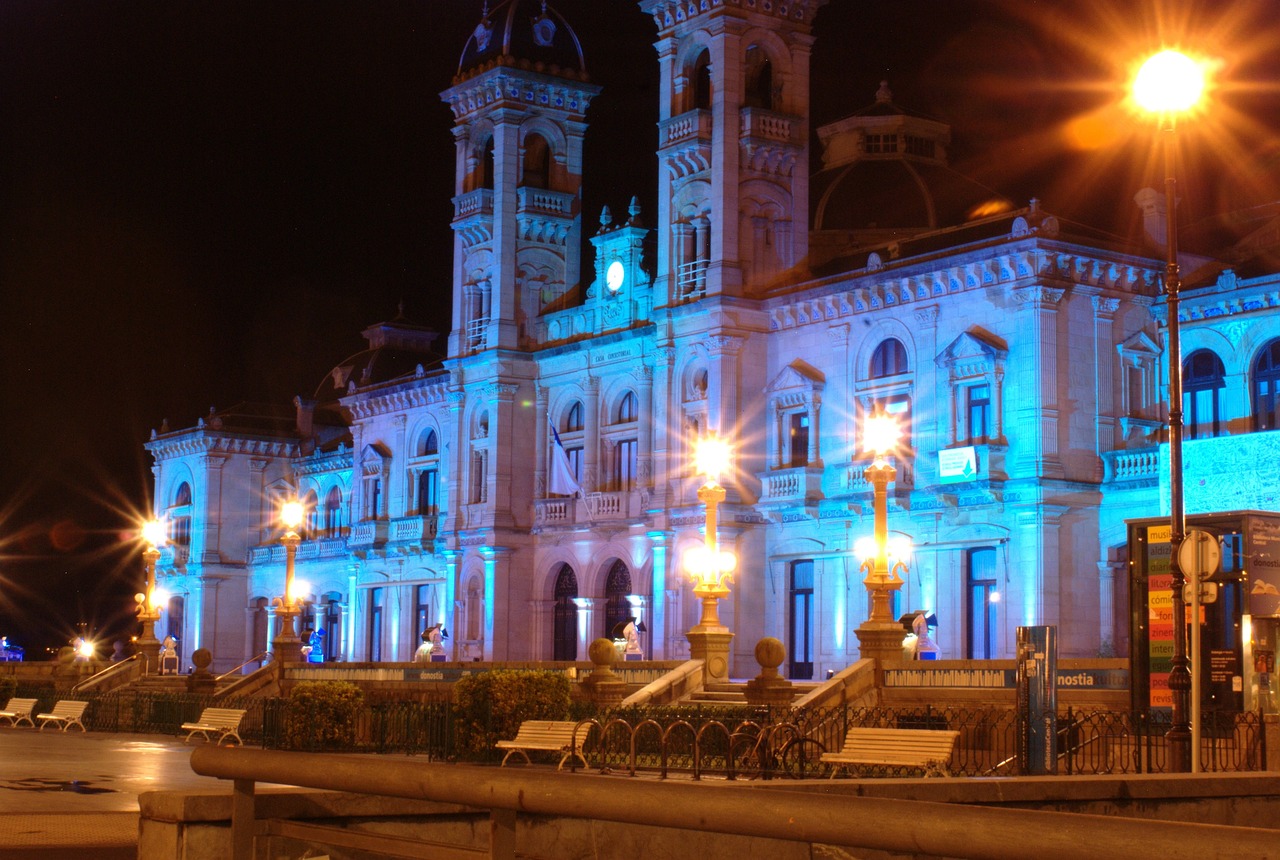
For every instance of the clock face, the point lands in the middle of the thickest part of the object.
(615, 275)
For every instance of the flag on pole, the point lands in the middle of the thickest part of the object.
(562, 482)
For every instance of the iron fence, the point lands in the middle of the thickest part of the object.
(725, 741)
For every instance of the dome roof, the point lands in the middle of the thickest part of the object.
(523, 32)
(396, 348)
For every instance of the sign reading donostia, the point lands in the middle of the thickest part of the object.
(988, 679)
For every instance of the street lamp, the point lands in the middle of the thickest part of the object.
(150, 600)
(1168, 85)
(880, 636)
(286, 643)
(710, 567)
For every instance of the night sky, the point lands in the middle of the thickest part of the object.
(203, 203)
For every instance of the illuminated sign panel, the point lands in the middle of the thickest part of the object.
(957, 465)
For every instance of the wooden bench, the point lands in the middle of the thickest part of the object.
(928, 750)
(19, 711)
(224, 721)
(544, 736)
(66, 713)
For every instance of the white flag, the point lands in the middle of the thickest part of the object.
(562, 481)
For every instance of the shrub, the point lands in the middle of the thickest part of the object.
(492, 705)
(8, 686)
(322, 715)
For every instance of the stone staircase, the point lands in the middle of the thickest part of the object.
(735, 693)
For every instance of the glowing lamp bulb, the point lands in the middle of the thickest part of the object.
(728, 561)
(291, 514)
(1168, 82)
(301, 588)
(85, 648)
(697, 560)
(153, 532)
(879, 434)
(900, 548)
(865, 548)
(159, 597)
(712, 456)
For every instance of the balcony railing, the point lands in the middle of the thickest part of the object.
(478, 202)
(767, 125)
(368, 533)
(552, 512)
(798, 485)
(694, 125)
(415, 529)
(1138, 465)
(543, 201)
(173, 555)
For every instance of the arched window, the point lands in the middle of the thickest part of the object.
(333, 513)
(1203, 383)
(260, 632)
(537, 162)
(617, 585)
(1266, 382)
(759, 91)
(564, 636)
(180, 516)
(702, 82)
(889, 359)
(428, 444)
(486, 168)
(573, 418)
(627, 408)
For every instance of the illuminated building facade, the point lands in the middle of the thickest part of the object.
(772, 307)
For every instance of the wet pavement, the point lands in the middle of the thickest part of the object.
(75, 794)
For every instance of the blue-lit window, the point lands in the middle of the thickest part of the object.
(978, 410)
(798, 431)
(889, 359)
(981, 617)
(180, 516)
(627, 408)
(333, 513)
(624, 475)
(573, 422)
(617, 609)
(1203, 384)
(428, 444)
(310, 515)
(800, 629)
(1266, 384)
(428, 492)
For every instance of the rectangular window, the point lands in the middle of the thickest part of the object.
(800, 629)
(372, 498)
(983, 599)
(375, 624)
(428, 492)
(626, 467)
(479, 477)
(575, 462)
(1136, 392)
(978, 409)
(799, 439)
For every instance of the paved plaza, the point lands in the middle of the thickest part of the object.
(75, 794)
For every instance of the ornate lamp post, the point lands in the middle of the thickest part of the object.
(1167, 85)
(286, 645)
(149, 601)
(880, 636)
(710, 567)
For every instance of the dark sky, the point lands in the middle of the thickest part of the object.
(205, 202)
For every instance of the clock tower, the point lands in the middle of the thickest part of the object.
(622, 293)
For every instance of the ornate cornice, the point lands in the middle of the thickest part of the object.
(205, 442)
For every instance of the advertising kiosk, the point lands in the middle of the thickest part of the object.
(1239, 613)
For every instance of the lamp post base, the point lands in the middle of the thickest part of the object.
(286, 645)
(712, 648)
(149, 645)
(878, 640)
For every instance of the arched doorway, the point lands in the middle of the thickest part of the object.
(617, 608)
(564, 635)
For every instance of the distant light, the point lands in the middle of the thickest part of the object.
(291, 513)
(1169, 82)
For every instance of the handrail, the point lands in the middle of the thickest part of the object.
(259, 659)
(912, 827)
(111, 673)
(680, 681)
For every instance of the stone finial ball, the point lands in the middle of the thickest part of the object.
(770, 652)
(602, 652)
(201, 658)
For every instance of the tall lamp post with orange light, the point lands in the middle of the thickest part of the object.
(1168, 85)
(880, 636)
(150, 600)
(710, 567)
(286, 645)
